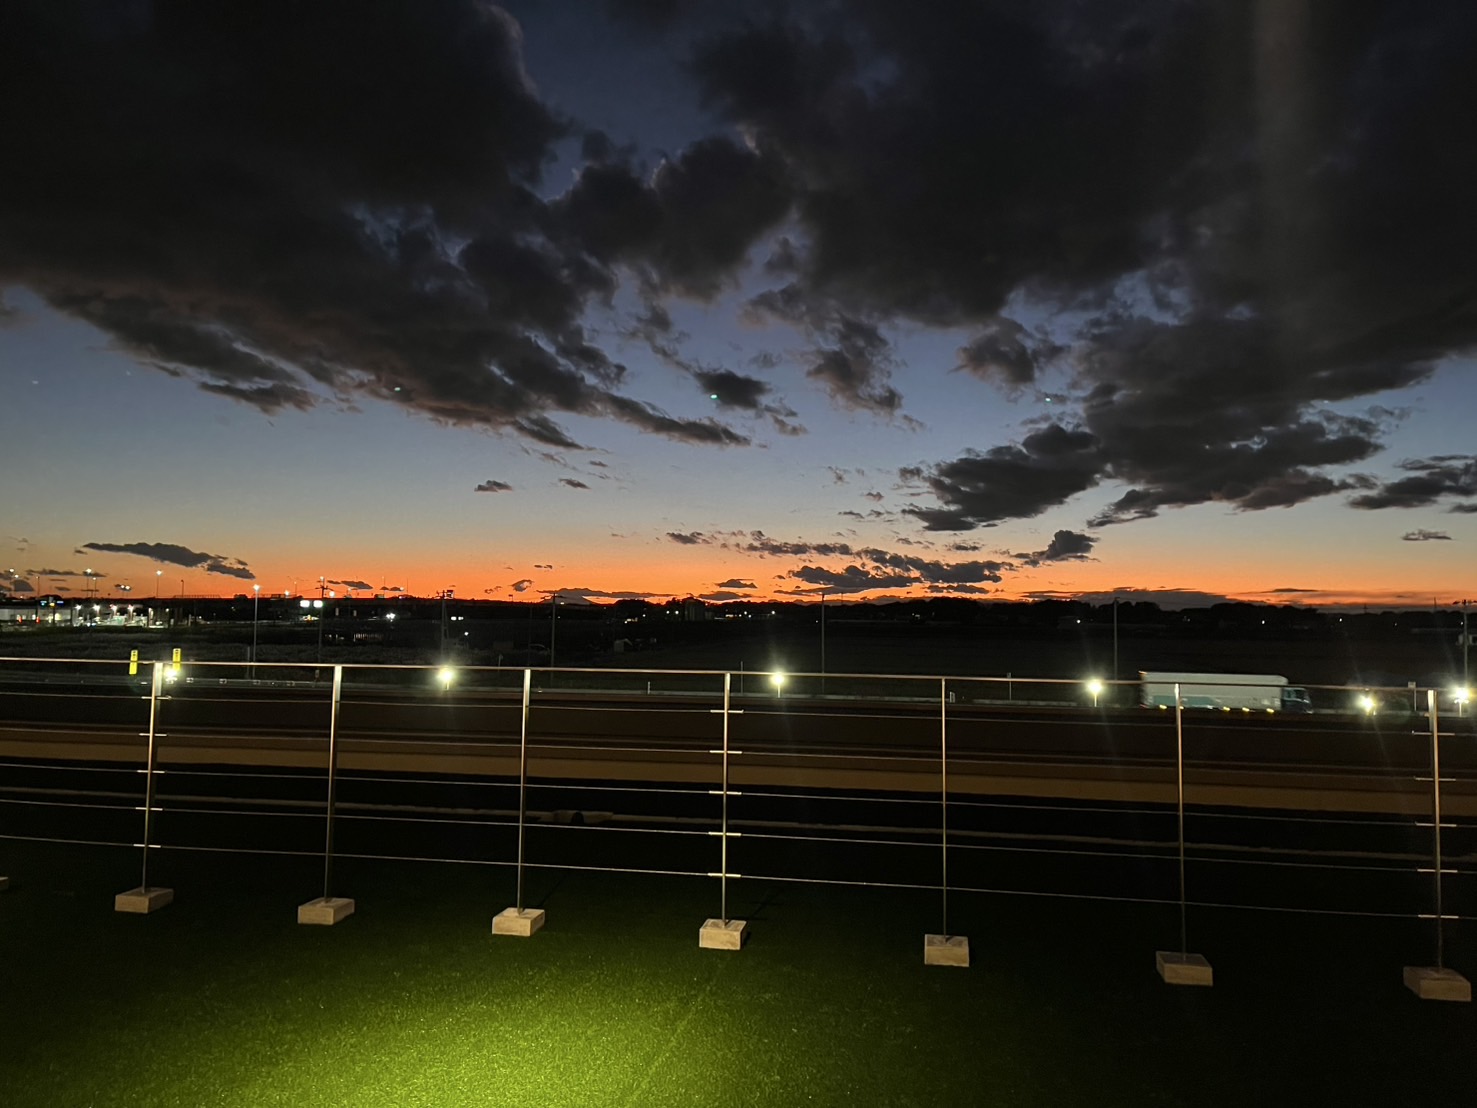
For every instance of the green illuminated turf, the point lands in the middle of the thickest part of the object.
(222, 999)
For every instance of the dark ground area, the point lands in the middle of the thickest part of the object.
(222, 999)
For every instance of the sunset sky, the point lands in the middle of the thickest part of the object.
(652, 298)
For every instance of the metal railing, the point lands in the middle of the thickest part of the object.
(936, 784)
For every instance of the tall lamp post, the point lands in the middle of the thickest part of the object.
(158, 584)
(823, 641)
(1466, 675)
(553, 627)
(256, 599)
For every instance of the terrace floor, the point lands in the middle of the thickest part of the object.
(222, 999)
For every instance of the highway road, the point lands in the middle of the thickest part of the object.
(1318, 762)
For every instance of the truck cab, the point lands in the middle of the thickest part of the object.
(1295, 699)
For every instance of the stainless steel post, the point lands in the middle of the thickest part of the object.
(723, 857)
(944, 797)
(523, 782)
(156, 683)
(1436, 822)
(338, 686)
(1179, 788)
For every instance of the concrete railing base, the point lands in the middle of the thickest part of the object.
(143, 900)
(1432, 983)
(520, 923)
(722, 934)
(325, 911)
(945, 950)
(1183, 969)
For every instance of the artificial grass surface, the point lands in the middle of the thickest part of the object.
(222, 999)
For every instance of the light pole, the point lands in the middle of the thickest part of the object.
(322, 611)
(1466, 675)
(553, 627)
(823, 641)
(158, 584)
(446, 592)
(256, 599)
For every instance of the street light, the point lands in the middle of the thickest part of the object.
(1466, 640)
(779, 683)
(256, 598)
(1095, 688)
(445, 675)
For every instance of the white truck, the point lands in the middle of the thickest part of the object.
(1250, 692)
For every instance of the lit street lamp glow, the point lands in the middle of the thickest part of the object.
(778, 679)
(446, 675)
(1095, 690)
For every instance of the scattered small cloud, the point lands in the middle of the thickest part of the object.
(176, 555)
(1065, 546)
(522, 585)
(689, 538)
(1430, 480)
(735, 583)
(493, 486)
(573, 483)
(1425, 536)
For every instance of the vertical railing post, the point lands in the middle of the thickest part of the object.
(338, 688)
(1436, 826)
(329, 909)
(723, 933)
(723, 856)
(1437, 982)
(145, 899)
(1179, 803)
(155, 683)
(519, 921)
(523, 781)
(944, 949)
(1181, 967)
(944, 798)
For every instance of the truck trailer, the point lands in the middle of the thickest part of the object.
(1250, 692)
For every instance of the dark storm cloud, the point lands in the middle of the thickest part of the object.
(326, 204)
(1004, 351)
(850, 358)
(1430, 480)
(1065, 546)
(493, 486)
(1258, 207)
(898, 566)
(735, 583)
(689, 538)
(572, 483)
(1009, 482)
(1425, 536)
(733, 390)
(175, 555)
(691, 225)
(852, 579)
